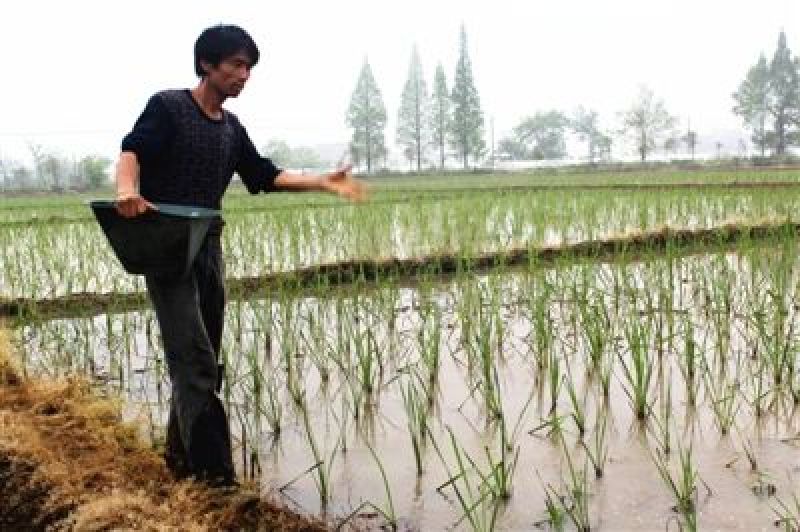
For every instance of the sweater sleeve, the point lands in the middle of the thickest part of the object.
(258, 173)
(152, 133)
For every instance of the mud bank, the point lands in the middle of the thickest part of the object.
(68, 463)
(324, 277)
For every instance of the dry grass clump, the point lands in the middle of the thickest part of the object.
(67, 462)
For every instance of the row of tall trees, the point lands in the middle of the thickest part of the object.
(768, 100)
(437, 122)
(434, 126)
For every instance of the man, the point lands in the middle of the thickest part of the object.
(184, 149)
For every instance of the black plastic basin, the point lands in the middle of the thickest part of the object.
(162, 243)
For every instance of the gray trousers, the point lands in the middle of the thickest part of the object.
(190, 312)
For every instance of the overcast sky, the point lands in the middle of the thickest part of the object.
(76, 74)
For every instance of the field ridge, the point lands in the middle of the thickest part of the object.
(627, 247)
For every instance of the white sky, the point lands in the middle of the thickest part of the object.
(75, 75)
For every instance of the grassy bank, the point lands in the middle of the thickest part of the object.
(68, 463)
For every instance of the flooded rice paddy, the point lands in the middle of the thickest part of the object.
(650, 395)
(43, 259)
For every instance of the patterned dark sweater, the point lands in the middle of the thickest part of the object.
(187, 158)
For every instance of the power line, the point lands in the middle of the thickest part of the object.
(61, 132)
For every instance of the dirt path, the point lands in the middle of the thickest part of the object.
(68, 463)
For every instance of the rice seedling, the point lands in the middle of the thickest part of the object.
(417, 409)
(574, 499)
(554, 379)
(478, 497)
(388, 513)
(776, 339)
(596, 331)
(787, 513)
(578, 410)
(597, 453)
(501, 472)
(723, 399)
(272, 408)
(556, 517)
(322, 467)
(683, 481)
(249, 435)
(481, 355)
(542, 335)
(638, 370)
(691, 361)
(313, 338)
(757, 390)
(429, 342)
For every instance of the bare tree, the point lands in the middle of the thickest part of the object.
(646, 122)
(584, 123)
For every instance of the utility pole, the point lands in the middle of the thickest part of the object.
(691, 137)
(492, 129)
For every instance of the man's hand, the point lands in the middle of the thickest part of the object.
(345, 185)
(129, 202)
(132, 204)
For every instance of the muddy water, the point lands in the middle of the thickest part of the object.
(727, 305)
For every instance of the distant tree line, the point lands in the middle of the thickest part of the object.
(444, 124)
(298, 158)
(448, 124)
(646, 125)
(54, 172)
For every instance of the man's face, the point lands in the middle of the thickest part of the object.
(230, 75)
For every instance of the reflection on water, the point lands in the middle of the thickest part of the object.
(555, 364)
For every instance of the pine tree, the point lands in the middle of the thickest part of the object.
(752, 102)
(440, 113)
(784, 93)
(413, 115)
(367, 116)
(466, 134)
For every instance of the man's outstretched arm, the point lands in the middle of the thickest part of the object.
(260, 174)
(339, 182)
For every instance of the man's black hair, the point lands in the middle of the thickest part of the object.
(220, 42)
